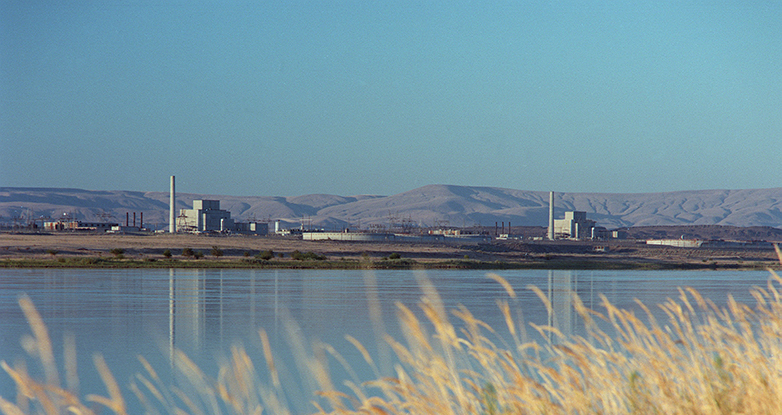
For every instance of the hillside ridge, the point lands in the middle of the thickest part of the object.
(424, 206)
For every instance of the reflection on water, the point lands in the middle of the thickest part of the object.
(124, 313)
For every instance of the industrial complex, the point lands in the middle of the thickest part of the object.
(575, 225)
(206, 216)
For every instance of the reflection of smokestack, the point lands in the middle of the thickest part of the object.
(551, 216)
(171, 208)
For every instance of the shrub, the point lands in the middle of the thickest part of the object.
(216, 252)
(297, 255)
(52, 252)
(167, 253)
(198, 254)
(247, 254)
(117, 252)
(188, 252)
(394, 256)
(265, 255)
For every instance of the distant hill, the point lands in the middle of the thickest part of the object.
(424, 206)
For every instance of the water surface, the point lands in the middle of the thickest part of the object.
(125, 313)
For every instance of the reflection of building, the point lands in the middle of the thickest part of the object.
(575, 225)
(206, 216)
(562, 287)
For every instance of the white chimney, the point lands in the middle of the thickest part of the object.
(551, 216)
(172, 208)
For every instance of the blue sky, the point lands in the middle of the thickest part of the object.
(363, 97)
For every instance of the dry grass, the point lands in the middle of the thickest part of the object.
(701, 359)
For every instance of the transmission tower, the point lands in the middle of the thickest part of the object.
(105, 216)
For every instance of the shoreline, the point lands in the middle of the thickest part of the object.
(374, 265)
(73, 250)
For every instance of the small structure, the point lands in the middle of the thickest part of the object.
(619, 234)
(255, 228)
(680, 243)
(125, 229)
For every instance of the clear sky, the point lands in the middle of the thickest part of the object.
(285, 98)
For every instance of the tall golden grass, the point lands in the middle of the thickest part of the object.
(702, 359)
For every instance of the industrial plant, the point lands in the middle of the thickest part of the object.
(206, 216)
(575, 225)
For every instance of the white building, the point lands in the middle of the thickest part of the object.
(575, 226)
(206, 216)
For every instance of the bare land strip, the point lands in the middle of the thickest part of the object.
(102, 250)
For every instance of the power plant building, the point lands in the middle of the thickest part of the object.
(575, 226)
(206, 216)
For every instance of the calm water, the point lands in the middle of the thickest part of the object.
(125, 313)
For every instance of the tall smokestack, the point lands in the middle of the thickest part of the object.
(172, 208)
(551, 216)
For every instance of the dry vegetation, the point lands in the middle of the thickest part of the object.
(700, 360)
(233, 247)
(65, 248)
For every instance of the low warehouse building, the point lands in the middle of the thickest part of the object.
(77, 225)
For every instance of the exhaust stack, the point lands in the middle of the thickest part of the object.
(551, 216)
(172, 208)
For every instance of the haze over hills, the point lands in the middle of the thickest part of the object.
(424, 206)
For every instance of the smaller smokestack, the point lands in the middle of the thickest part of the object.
(141, 220)
(172, 206)
(127, 219)
(551, 216)
(134, 219)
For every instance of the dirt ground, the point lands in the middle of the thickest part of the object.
(40, 246)
(69, 244)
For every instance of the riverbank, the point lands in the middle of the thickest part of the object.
(197, 251)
